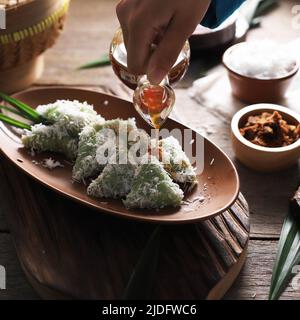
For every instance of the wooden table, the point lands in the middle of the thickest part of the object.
(87, 35)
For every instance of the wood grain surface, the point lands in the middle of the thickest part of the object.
(87, 35)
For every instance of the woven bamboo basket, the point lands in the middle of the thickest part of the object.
(32, 26)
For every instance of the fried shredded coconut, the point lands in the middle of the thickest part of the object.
(270, 130)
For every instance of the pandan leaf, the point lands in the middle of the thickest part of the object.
(288, 255)
(14, 123)
(12, 110)
(26, 110)
(103, 61)
(140, 284)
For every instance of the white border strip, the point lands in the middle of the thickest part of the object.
(2, 17)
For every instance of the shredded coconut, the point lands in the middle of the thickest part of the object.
(32, 153)
(51, 164)
(261, 60)
(18, 131)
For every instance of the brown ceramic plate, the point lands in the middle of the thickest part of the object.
(218, 184)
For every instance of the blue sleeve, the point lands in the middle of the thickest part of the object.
(219, 11)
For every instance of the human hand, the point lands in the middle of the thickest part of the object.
(166, 22)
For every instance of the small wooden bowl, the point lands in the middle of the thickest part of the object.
(253, 90)
(259, 158)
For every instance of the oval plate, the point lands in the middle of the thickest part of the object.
(218, 185)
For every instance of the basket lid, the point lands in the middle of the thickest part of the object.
(25, 13)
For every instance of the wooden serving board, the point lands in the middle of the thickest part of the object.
(70, 251)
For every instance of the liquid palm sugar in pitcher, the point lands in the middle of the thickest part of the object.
(153, 102)
(118, 58)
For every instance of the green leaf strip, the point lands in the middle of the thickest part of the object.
(288, 254)
(103, 61)
(26, 110)
(12, 110)
(14, 123)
